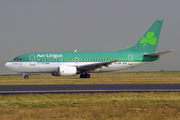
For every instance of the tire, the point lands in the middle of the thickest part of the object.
(26, 77)
(82, 76)
(87, 75)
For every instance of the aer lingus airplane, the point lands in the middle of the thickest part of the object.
(83, 63)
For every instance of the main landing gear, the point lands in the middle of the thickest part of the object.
(26, 77)
(85, 75)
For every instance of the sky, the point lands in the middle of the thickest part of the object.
(28, 26)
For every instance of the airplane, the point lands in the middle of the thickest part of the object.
(83, 63)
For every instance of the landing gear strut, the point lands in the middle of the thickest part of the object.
(85, 75)
(26, 77)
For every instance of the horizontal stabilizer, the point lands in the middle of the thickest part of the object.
(159, 53)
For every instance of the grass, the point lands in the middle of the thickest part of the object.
(168, 77)
(98, 106)
(101, 106)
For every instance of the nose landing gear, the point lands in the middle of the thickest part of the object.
(26, 77)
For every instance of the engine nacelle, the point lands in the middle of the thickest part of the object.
(67, 70)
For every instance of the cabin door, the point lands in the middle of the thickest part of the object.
(130, 59)
(76, 60)
(32, 60)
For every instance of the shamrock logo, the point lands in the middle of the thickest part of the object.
(149, 39)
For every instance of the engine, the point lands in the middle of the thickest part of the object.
(67, 71)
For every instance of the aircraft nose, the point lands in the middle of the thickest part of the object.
(7, 65)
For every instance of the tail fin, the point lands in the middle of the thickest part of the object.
(149, 40)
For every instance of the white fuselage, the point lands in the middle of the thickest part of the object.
(51, 67)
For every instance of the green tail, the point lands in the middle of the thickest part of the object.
(149, 40)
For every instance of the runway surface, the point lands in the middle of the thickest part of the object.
(87, 88)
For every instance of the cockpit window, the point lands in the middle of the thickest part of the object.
(17, 59)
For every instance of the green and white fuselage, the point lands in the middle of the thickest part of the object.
(49, 61)
(72, 63)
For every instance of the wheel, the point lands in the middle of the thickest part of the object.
(87, 75)
(82, 76)
(26, 77)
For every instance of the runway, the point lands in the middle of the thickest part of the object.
(87, 88)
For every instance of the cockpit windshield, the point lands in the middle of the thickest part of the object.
(17, 59)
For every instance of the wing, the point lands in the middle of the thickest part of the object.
(95, 65)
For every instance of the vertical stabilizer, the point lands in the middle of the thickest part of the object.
(148, 41)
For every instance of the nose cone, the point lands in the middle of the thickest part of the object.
(12, 66)
(8, 65)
